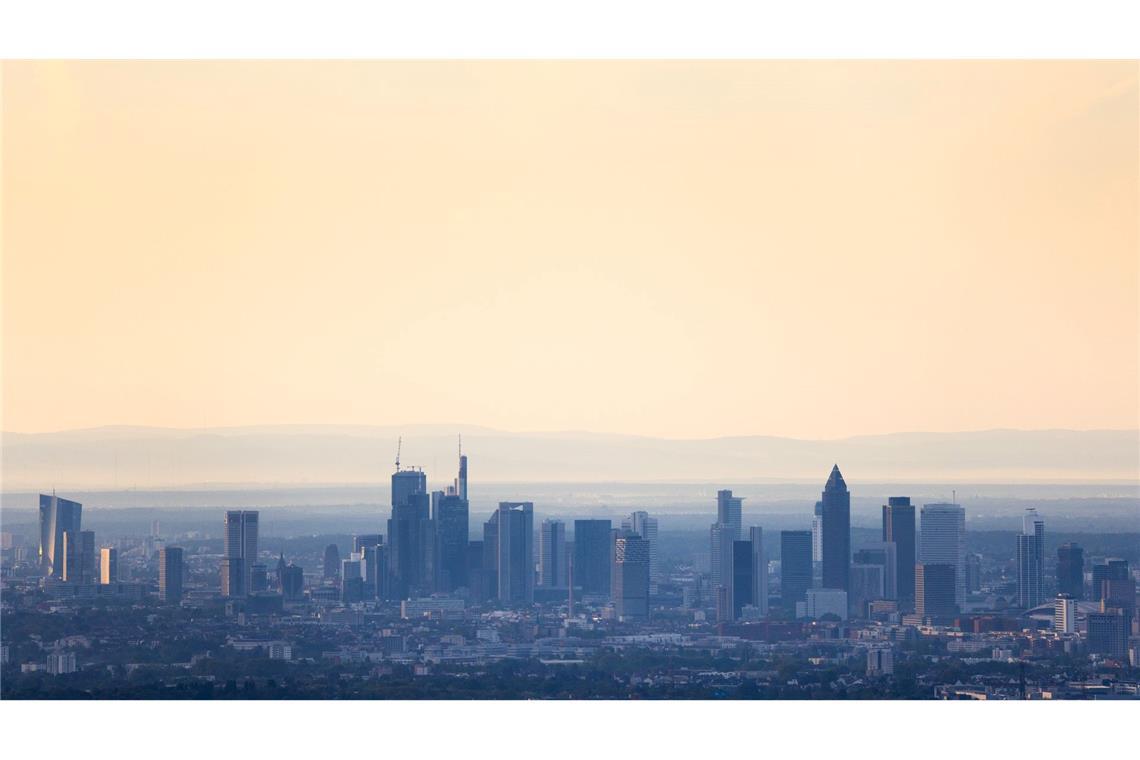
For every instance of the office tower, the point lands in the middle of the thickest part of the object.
(795, 566)
(461, 480)
(1064, 614)
(239, 551)
(630, 576)
(351, 580)
(836, 514)
(728, 509)
(279, 571)
(721, 538)
(108, 565)
(885, 555)
(452, 531)
(935, 585)
(867, 585)
(1108, 632)
(87, 557)
(331, 564)
(477, 575)
(170, 574)
(944, 542)
(73, 555)
(1071, 570)
(408, 534)
(552, 554)
(292, 583)
(372, 570)
(742, 578)
(592, 555)
(1109, 570)
(899, 529)
(1031, 561)
(57, 517)
(759, 571)
(645, 526)
(722, 534)
(825, 601)
(508, 539)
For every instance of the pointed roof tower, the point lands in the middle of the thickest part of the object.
(835, 481)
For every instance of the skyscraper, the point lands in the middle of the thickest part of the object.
(742, 578)
(408, 530)
(1071, 570)
(836, 515)
(239, 551)
(512, 551)
(452, 531)
(944, 542)
(885, 555)
(170, 574)
(645, 526)
(899, 529)
(722, 533)
(934, 589)
(795, 566)
(759, 570)
(108, 565)
(1109, 570)
(867, 585)
(728, 508)
(292, 582)
(57, 517)
(552, 554)
(592, 555)
(1064, 614)
(331, 562)
(630, 576)
(1031, 561)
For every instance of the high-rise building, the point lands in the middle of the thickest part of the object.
(592, 555)
(352, 579)
(1108, 632)
(79, 556)
(170, 574)
(973, 573)
(817, 534)
(108, 565)
(795, 566)
(742, 578)
(722, 534)
(728, 509)
(1064, 614)
(759, 571)
(836, 514)
(934, 589)
(944, 542)
(331, 563)
(867, 585)
(1109, 570)
(645, 526)
(552, 554)
(885, 555)
(361, 541)
(1031, 561)
(292, 582)
(409, 531)
(630, 576)
(899, 529)
(240, 550)
(512, 551)
(452, 531)
(57, 518)
(1071, 570)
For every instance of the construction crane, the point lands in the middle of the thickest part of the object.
(399, 443)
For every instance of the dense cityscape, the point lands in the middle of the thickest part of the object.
(434, 605)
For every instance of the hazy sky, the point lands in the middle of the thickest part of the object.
(678, 249)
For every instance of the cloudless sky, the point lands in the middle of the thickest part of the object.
(685, 249)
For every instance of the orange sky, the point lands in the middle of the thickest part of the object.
(683, 249)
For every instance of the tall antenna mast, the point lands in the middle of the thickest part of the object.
(399, 443)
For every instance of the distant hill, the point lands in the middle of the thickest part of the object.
(123, 457)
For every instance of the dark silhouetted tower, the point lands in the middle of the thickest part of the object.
(899, 529)
(592, 555)
(1071, 570)
(836, 514)
(795, 566)
(170, 574)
